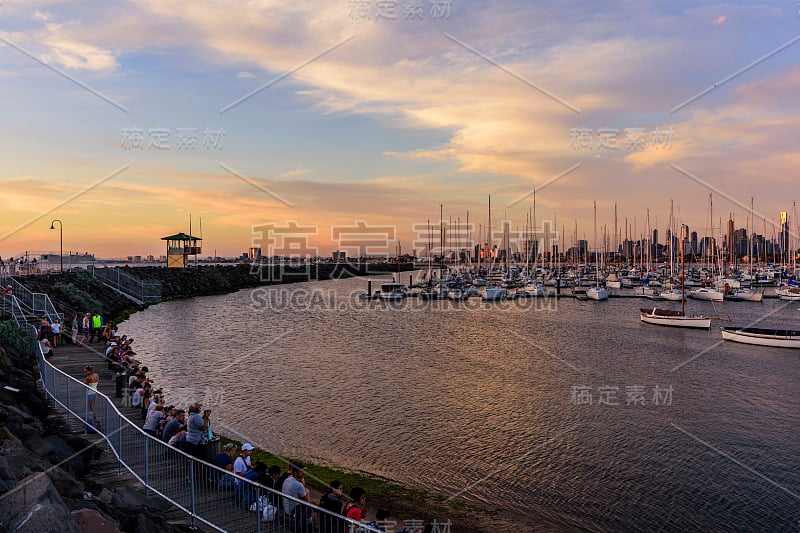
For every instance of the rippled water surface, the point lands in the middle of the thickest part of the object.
(481, 397)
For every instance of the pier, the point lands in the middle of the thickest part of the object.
(133, 457)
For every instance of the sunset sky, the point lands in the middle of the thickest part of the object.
(381, 110)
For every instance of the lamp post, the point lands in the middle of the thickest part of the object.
(61, 240)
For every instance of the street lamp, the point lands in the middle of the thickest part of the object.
(61, 240)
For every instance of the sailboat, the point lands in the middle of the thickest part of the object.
(597, 292)
(665, 317)
(493, 291)
(709, 293)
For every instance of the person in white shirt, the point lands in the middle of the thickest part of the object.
(242, 463)
(55, 329)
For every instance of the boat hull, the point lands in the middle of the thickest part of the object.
(763, 337)
(671, 296)
(745, 296)
(676, 321)
(713, 296)
(598, 293)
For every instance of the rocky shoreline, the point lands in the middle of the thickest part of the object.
(49, 472)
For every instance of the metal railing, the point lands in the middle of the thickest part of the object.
(38, 303)
(208, 494)
(127, 284)
(17, 313)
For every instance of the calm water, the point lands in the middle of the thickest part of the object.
(442, 396)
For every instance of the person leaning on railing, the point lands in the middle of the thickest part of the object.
(196, 432)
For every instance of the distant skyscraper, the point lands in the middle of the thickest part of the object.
(784, 236)
(695, 249)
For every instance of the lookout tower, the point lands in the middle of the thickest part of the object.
(179, 247)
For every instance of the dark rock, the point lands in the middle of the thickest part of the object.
(105, 496)
(19, 422)
(145, 522)
(5, 434)
(66, 485)
(89, 450)
(91, 521)
(129, 499)
(21, 462)
(5, 471)
(63, 453)
(35, 507)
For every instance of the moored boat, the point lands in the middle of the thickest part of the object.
(706, 293)
(493, 293)
(791, 293)
(392, 291)
(781, 338)
(745, 295)
(665, 317)
(598, 293)
(673, 295)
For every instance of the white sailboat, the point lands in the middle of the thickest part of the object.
(706, 293)
(597, 292)
(665, 317)
(789, 293)
(709, 293)
(672, 295)
(745, 295)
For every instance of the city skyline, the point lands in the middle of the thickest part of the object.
(125, 119)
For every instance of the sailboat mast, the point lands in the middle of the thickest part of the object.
(672, 240)
(469, 243)
(441, 241)
(683, 273)
(596, 263)
(489, 232)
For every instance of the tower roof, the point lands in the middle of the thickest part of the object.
(181, 237)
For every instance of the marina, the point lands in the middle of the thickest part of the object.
(465, 389)
(426, 266)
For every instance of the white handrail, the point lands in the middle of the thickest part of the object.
(58, 386)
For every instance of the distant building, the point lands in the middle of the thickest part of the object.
(784, 236)
(340, 256)
(254, 254)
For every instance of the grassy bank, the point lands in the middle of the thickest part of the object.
(404, 503)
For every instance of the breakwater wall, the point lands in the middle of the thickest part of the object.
(78, 292)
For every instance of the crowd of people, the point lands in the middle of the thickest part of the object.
(189, 430)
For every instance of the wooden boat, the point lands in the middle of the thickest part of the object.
(678, 319)
(665, 317)
(781, 338)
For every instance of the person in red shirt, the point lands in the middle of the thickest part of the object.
(356, 509)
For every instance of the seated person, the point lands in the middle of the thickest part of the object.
(224, 460)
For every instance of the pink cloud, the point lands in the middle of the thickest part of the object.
(719, 20)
